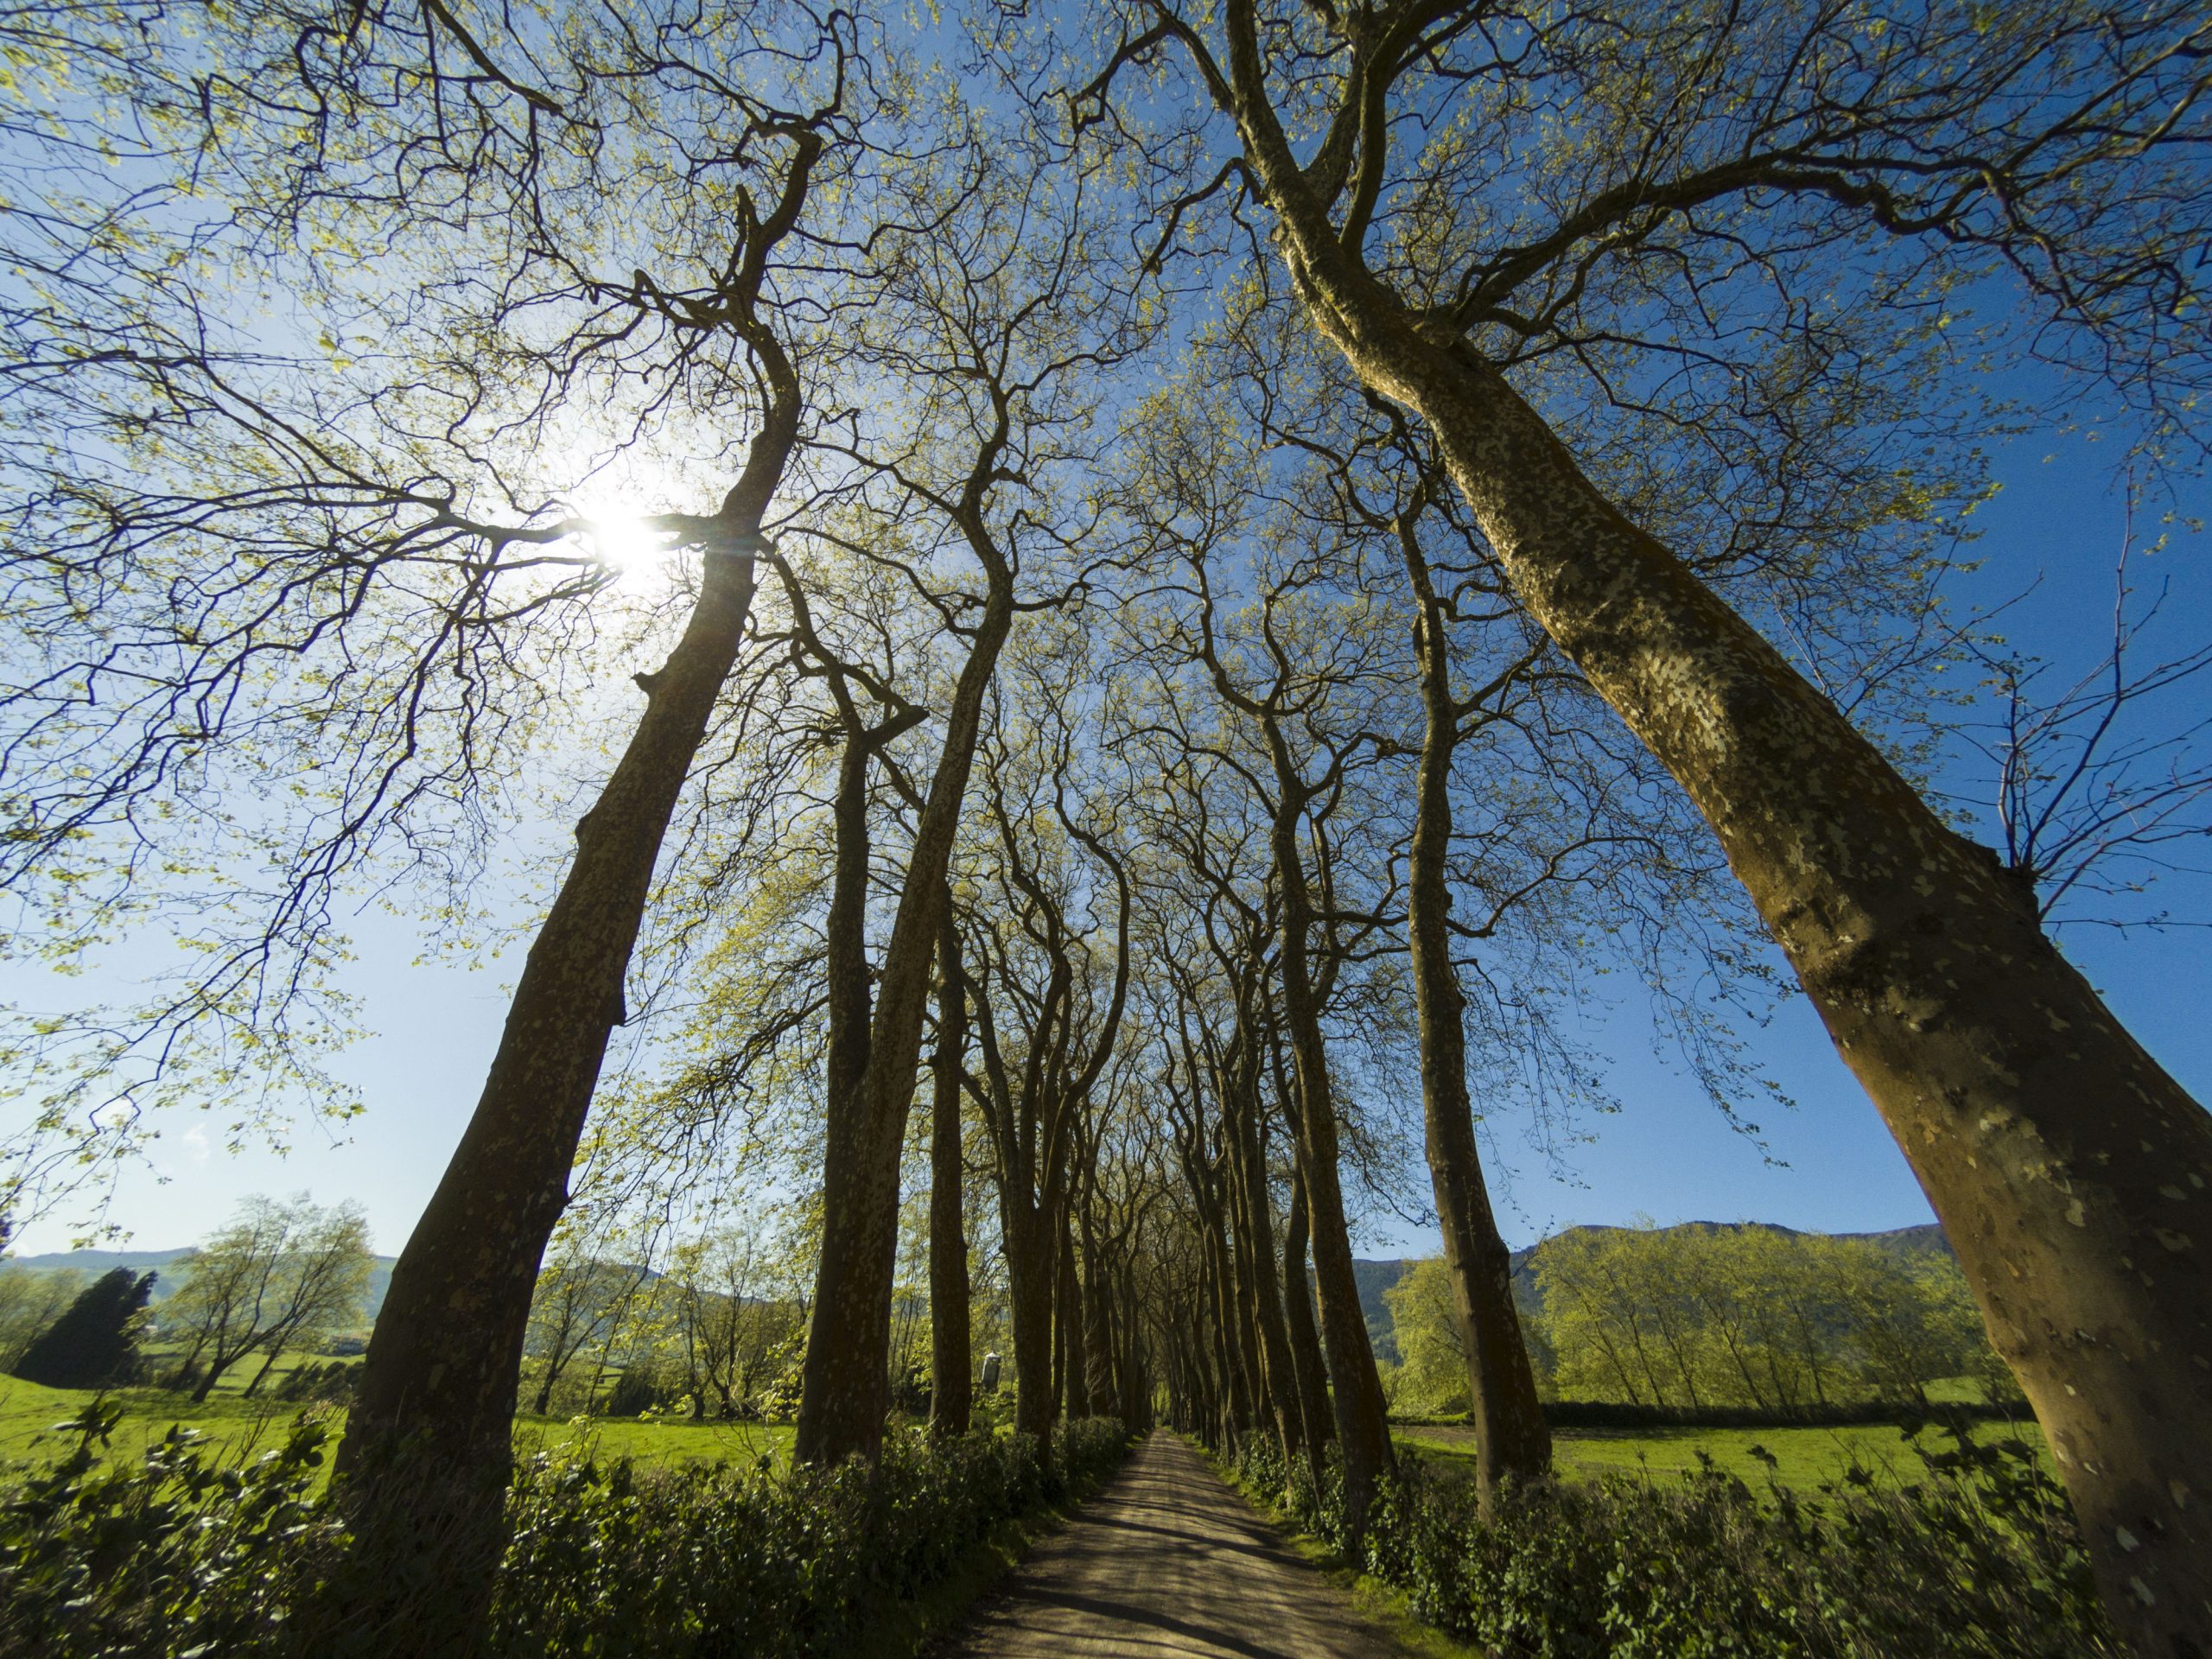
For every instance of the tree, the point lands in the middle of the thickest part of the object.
(1751, 1315)
(1279, 667)
(1048, 1003)
(1008, 319)
(1432, 1370)
(279, 1276)
(952, 1380)
(1819, 140)
(31, 1299)
(735, 1312)
(1910, 1321)
(94, 1344)
(577, 1306)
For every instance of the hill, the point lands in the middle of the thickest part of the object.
(168, 1276)
(1377, 1276)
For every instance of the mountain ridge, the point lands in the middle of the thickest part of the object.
(1374, 1275)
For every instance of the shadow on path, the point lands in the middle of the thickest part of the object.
(1166, 1562)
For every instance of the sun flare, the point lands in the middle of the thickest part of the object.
(623, 542)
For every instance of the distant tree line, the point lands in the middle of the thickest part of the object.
(1706, 1316)
(711, 1324)
(279, 1277)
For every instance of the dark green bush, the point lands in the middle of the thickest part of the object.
(331, 1383)
(173, 1555)
(720, 1561)
(1980, 1558)
(177, 1556)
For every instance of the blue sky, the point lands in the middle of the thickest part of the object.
(1668, 1153)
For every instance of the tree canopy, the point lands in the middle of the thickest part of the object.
(1198, 575)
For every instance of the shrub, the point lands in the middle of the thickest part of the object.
(172, 1555)
(1980, 1558)
(719, 1560)
(332, 1383)
(175, 1556)
(94, 1344)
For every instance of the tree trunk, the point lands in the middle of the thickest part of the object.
(1512, 1441)
(952, 1387)
(1232, 1402)
(259, 1376)
(2071, 1174)
(1362, 1425)
(1029, 1287)
(843, 1389)
(427, 1454)
(1305, 1337)
(215, 1370)
(1256, 1223)
(1109, 1371)
(422, 1470)
(1075, 1372)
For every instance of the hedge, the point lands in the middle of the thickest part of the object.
(1980, 1560)
(175, 1557)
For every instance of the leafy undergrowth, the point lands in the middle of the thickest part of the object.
(178, 1553)
(1978, 1558)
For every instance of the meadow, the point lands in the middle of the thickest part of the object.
(237, 1429)
(1804, 1459)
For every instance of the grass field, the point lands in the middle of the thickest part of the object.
(237, 1429)
(1804, 1457)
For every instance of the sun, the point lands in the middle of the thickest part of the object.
(623, 542)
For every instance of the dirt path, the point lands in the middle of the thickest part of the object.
(1166, 1562)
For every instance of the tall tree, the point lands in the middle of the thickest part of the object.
(1276, 666)
(952, 1380)
(1048, 1008)
(2045, 1136)
(94, 1344)
(278, 1276)
(362, 566)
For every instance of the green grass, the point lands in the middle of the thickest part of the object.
(237, 1427)
(1805, 1457)
(667, 1439)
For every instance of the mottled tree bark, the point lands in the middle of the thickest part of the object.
(424, 1464)
(2071, 1173)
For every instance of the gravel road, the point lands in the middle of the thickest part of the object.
(1166, 1563)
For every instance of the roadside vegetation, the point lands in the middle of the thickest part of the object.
(1953, 1544)
(1063, 647)
(181, 1551)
